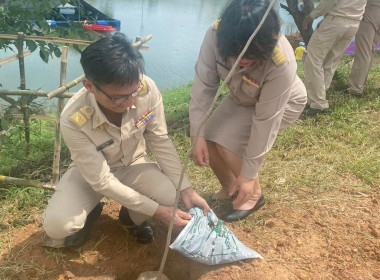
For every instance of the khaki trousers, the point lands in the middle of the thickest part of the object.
(366, 40)
(325, 49)
(74, 198)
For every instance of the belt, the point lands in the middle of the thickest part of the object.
(342, 18)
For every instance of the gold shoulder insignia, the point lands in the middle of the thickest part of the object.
(216, 24)
(278, 57)
(78, 119)
(145, 88)
(87, 111)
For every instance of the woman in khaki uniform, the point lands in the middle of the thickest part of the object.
(265, 96)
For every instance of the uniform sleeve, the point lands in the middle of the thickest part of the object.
(323, 8)
(96, 171)
(158, 142)
(266, 119)
(206, 82)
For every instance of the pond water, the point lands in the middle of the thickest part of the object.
(177, 26)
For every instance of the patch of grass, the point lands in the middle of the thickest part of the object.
(20, 206)
(23, 270)
(55, 254)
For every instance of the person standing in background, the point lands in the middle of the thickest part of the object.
(366, 40)
(326, 46)
(300, 51)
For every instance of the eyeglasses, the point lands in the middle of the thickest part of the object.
(119, 100)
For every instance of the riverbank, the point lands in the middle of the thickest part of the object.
(321, 221)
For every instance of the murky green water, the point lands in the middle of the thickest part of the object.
(177, 26)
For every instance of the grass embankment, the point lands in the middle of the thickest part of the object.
(340, 149)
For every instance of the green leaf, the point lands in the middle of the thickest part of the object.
(5, 124)
(57, 52)
(44, 54)
(77, 48)
(32, 46)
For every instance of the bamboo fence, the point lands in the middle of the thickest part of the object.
(58, 93)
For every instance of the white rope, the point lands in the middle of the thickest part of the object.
(229, 76)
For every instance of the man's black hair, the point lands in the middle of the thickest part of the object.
(112, 60)
(238, 21)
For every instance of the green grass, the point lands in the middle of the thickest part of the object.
(340, 149)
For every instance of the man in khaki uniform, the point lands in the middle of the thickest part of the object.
(366, 40)
(326, 46)
(107, 126)
(265, 97)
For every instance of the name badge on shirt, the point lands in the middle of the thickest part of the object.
(250, 81)
(104, 145)
(144, 119)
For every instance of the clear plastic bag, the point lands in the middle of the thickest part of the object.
(207, 240)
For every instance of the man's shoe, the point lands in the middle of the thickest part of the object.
(235, 215)
(350, 92)
(80, 237)
(312, 112)
(142, 234)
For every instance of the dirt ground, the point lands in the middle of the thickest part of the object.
(336, 236)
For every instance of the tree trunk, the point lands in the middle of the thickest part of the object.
(299, 16)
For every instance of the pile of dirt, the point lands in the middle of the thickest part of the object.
(336, 236)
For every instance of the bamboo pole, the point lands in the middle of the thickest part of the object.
(47, 39)
(59, 40)
(33, 117)
(25, 182)
(5, 92)
(20, 47)
(24, 102)
(9, 100)
(65, 87)
(13, 58)
(141, 41)
(57, 142)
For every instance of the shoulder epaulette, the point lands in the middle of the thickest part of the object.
(216, 24)
(145, 88)
(82, 116)
(278, 57)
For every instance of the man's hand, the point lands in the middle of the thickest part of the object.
(306, 22)
(191, 198)
(200, 153)
(164, 214)
(249, 193)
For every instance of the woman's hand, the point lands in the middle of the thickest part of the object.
(191, 198)
(249, 193)
(200, 153)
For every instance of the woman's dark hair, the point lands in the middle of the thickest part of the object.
(238, 21)
(112, 60)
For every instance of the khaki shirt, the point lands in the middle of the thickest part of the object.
(97, 146)
(350, 9)
(267, 86)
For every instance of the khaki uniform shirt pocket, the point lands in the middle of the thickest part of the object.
(111, 152)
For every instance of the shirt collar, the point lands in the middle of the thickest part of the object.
(99, 118)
